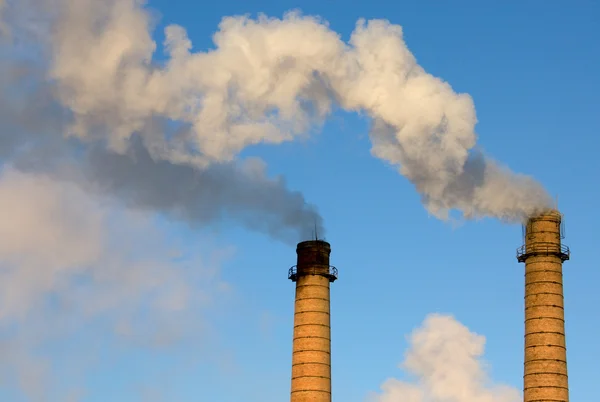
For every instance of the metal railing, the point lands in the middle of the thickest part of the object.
(330, 272)
(528, 250)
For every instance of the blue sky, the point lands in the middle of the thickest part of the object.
(532, 70)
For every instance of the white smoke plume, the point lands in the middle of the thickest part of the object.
(445, 359)
(35, 137)
(270, 80)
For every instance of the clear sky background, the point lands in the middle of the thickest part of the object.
(532, 70)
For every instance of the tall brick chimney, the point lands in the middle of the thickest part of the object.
(311, 358)
(545, 376)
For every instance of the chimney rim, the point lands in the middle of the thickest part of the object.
(313, 244)
(548, 214)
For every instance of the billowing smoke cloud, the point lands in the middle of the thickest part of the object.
(35, 138)
(445, 359)
(269, 81)
(238, 191)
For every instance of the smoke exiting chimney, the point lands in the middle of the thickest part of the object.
(545, 376)
(311, 358)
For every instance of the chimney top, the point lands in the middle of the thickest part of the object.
(314, 244)
(549, 214)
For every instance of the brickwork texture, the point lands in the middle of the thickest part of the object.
(545, 371)
(311, 358)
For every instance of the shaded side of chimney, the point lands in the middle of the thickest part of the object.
(545, 372)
